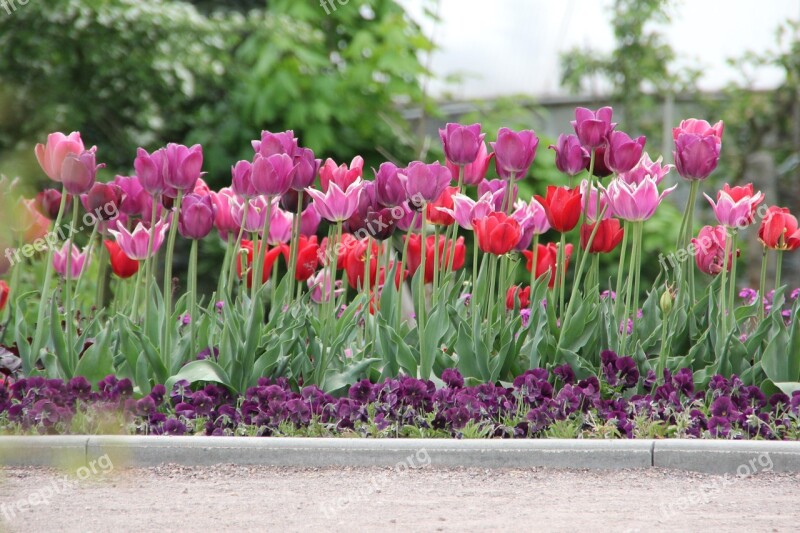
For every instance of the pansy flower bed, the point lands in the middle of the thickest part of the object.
(354, 305)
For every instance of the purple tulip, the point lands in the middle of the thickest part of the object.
(197, 216)
(498, 189)
(366, 202)
(79, 171)
(425, 183)
(461, 143)
(252, 213)
(532, 220)
(646, 168)
(170, 169)
(390, 190)
(514, 152)
(48, 202)
(134, 197)
(593, 128)
(697, 148)
(635, 202)
(571, 157)
(306, 169)
(103, 200)
(78, 262)
(623, 153)
(136, 244)
(592, 203)
(475, 172)
(408, 219)
(242, 179)
(272, 175)
(280, 226)
(276, 143)
(336, 205)
(309, 221)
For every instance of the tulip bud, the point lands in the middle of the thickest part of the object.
(49, 201)
(666, 301)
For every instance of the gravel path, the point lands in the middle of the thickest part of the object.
(235, 498)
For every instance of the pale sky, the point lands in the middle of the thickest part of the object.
(512, 46)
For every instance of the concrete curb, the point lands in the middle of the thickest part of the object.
(717, 457)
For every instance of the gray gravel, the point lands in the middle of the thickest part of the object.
(235, 498)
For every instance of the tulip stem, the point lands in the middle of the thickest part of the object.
(578, 273)
(192, 304)
(421, 273)
(534, 262)
(778, 264)
(619, 300)
(294, 246)
(586, 197)
(68, 318)
(38, 338)
(723, 294)
(261, 250)
(224, 277)
(562, 267)
(168, 324)
(89, 251)
(102, 276)
(366, 287)
(402, 267)
(763, 285)
(150, 261)
(235, 259)
(732, 288)
(135, 301)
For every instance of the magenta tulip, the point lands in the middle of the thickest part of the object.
(336, 205)
(272, 175)
(593, 128)
(623, 153)
(77, 264)
(461, 143)
(136, 244)
(306, 169)
(571, 157)
(134, 197)
(276, 143)
(390, 190)
(341, 175)
(309, 221)
(514, 152)
(475, 172)
(79, 171)
(103, 200)
(697, 148)
(646, 168)
(48, 202)
(224, 221)
(532, 219)
(465, 209)
(425, 183)
(251, 213)
(635, 202)
(498, 189)
(242, 179)
(197, 216)
(591, 205)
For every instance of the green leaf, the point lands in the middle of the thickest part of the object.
(205, 370)
(96, 362)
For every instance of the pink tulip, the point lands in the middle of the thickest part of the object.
(280, 226)
(644, 168)
(319, 286)
(224, 221)
(498, 189)
(51, 155)
(593, 128)
(591, 211)
(336, 205)
(732, 213)
(461, 143)
(635, 202)
(475, 172)
(425, 183)
(136, 244)
(196, 216)
(622, 152)
(170, 169)
(341, 175)
(465, 209)
(309, 221)
(710, 250)
(78, 262)
(532, 219)
(697, 148)
(390, 188)
(253, 212)
(79, 171)
(276, 143)
(514, 152)
(272, 175)
(571, 157)
(134, 197)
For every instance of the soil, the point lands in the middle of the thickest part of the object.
(419, 498)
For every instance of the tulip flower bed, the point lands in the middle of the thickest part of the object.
(331, 281)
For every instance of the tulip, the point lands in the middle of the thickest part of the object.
(123, 266)
(514, 152)
(306, 169)
(390, 191)
(4, 292)
(242, 179)
(622, 152)
(593, 128)
(563, 207)
(571, 157)
(309, 221)
(335, 204)
(289, 201)
(346, 244)
(734, 213)
(425, 183)
(224, 220)
(779, 230)
(251, 214)
(196, 216)
(136, 244)
(307, 257)
(414, 259)
(499, 189)
(320, 287)
(48, 203)
(201, 187)
(600, 169)
(78, 261)
(51, 156)
(366, 201)
(635, 202)
(33, 224)
(275, 143)
(516, 293)
(607, 237)
(272, 175)
(497, 233)
(407, 220)
(646, 168)
(697, 147)
(280, 226)
(355, 264)
(473, 173)
(270, 257)
(79, 171)
(103, 201)
(134, 197)
(532, 219)
(710, 250)
(546, 260)
(461, 143)
(341, 175)
(380, 223)
(437, 211)
(170, 169)
(465, 209)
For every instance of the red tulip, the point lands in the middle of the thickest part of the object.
(608, 236)
(515, 292)
(307, 257)
(414, 259)
(563, 207)
(497, 233)
(122, 265)
(346, 244)
(779, 230)
(271, 256)
(445, 200)
(546, 258)
(4, 292)
(355, 264)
